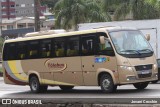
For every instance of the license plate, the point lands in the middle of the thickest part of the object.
(145, 72)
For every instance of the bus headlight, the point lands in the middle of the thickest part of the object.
(154, 66)
(128, 68)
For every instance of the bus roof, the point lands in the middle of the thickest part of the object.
(109, 29)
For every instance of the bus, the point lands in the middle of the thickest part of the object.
(105, 57)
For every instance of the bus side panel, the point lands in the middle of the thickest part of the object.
(13, 74)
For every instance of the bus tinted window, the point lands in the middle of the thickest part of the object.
(59, 46)
(45, 48)
(105, 49)
(88, 45)
(33, 49)
(22, 50)
(73, 46)
(10, 51)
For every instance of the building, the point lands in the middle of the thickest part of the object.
(25, 8)
(8, 9)
(18, 16)
(19, 8)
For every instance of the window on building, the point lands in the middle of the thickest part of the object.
(9, 27)
(3, 6)
(73, 46)
(12, 13)
(17, 5)
(23, 5)
(12, 6)
(4, 13)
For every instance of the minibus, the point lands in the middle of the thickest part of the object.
(105, 57)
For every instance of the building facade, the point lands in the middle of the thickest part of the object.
(25, 8)
(8, 9)
(19, 8)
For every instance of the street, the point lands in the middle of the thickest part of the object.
(125, 91)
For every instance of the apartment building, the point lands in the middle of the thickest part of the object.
(19, 8)
(25, 8)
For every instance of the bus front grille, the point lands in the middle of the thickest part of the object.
(143, 67)
(144, 71)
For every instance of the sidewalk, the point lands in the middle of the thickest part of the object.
(1, 79)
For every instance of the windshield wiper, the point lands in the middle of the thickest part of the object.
(135, 51)
(146, 50)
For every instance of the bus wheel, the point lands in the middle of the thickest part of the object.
(154, 82)
(107, 84)
(141, 86)
(66, 87)
(35, 85)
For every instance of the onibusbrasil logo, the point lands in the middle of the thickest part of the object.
(20, 101)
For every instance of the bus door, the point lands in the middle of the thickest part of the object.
(105, 56)
(88, 63)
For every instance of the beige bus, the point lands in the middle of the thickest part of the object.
(105, 57)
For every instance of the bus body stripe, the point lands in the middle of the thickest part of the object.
(13, 66)
(10, 71)
(13, 80)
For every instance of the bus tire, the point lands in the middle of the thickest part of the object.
(154, 82)
(35, 85)
(66, 88)
(141, 86)
(107, 84)
(44, 88)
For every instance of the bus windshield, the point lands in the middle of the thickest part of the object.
(131, 42)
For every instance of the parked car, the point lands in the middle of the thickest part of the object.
(158, 61)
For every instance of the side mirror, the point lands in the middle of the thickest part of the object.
(103, 39)
(148, 37)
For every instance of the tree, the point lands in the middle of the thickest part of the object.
(37, 12)
(140, 9)
(49, 3)
(1, 44)
(69, 13)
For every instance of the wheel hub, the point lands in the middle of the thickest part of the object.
(34, 85)
(106, 83)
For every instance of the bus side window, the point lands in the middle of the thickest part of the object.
(73, 46)
(45, 48)
(88, 45)
(59, 46)
(105, 49)
(10, 51)
(33, 49)
(22, 50)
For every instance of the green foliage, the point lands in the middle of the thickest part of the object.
(69, 13)
(1, 43)
(140, 9)
(49, 3)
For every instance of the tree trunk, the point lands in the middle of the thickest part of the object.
(37, 12)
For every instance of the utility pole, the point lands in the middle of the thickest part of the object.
(36, 13)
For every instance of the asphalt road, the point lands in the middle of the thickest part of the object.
(125, 91)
